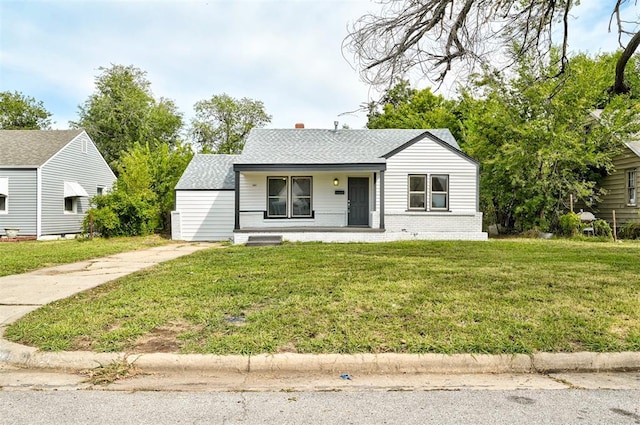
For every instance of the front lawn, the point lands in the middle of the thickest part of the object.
(501, 296)
(21, 257)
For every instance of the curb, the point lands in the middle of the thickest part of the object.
(386, 363)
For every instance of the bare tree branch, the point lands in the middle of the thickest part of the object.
(434, 35)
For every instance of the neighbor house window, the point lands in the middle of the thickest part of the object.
(4, 192)
(631, 187)
(417, 192)
(277, 192)
(71, 204)
(439, 192)
(99, 190)
(301, 196)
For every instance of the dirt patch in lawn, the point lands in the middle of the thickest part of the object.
(163, 339)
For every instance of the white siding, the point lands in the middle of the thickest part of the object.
(428, 157)
(205, 215)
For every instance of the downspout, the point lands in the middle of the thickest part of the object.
(381, 199)
(237, 201)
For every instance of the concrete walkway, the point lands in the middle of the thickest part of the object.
(20, 294)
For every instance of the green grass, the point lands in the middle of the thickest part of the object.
(501, 296)
(21, 257)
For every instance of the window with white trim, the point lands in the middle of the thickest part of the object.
(99, 190)
(4, 194)
(289, 197)
(417, 192)
(440, 192)
(71, 205)
(631, 187)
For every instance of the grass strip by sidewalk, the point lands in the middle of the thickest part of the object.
(504, 296)
(21, 257)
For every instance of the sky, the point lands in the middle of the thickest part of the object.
(285, 53)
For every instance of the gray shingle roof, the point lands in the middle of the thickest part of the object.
(301, 146)
(317, 146)
(32, 148)
(207, 171)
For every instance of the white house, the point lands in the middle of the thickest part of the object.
(47, 178)
(333, 186)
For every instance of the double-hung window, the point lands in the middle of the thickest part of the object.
(428, 192)
(300, 196)
(417, 192)
(631, 187)
(439, 192)
(289, 197)
(277, 196)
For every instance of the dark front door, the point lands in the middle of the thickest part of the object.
(358, 201)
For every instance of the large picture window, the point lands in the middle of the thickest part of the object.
(417, 192)
(439, 192)
(631, 187)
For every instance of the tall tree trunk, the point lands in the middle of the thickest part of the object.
(619, 86)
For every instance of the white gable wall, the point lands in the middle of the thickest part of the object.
(427, 157)
(205, 215)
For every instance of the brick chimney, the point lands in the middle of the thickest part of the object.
(299, 125)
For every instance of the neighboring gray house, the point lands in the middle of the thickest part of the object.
(333, 186)
(623, 188)
(47, 178)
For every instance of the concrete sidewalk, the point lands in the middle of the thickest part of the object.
(20, 294)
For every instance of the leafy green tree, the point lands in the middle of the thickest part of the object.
(405, 107)
(20, 112)
(122, 112)
(538, 140)
(142, 199)
(222, 123)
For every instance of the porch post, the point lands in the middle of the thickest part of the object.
(237, 203)
(381, 182)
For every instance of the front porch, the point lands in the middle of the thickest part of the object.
(349, 234)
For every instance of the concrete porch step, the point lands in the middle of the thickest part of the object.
(264, 240)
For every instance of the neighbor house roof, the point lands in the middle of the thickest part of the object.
(32, 148)
(318, 146)
(634, 146)
(206, 171)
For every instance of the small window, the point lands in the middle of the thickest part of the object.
(71, 205)
(277, 196)
(439, 192)
(417, 192)
(631, 187)
(301, 196)
(3, 204)
(99, 190)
